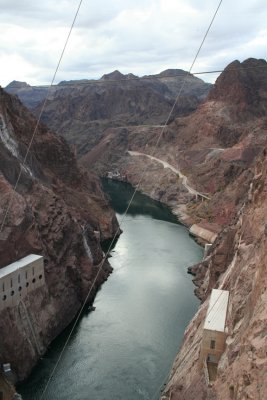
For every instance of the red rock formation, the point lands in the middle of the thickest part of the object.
(56, 205)
(237, 262)
(220, 148)
(215, 146)
(243, 87)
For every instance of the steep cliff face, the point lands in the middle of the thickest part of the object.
(236, 262)
(55, 212)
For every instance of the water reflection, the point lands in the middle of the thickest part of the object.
(120, 193)
(126, 347)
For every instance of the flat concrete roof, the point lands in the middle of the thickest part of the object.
(18, 264)
(216, 314)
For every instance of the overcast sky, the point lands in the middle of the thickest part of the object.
(138, 36)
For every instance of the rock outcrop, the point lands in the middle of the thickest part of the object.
(58, 211)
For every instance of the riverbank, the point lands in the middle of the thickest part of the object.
(203, 232)
(126, 346)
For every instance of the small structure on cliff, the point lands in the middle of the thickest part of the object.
(20, 278)
(206, 250)
(203, 233)
(214, 333)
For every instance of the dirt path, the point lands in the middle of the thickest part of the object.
(175, 170)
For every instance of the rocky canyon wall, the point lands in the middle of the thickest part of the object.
(236, 262)
(58, 211)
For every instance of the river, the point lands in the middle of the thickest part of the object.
(125, 348)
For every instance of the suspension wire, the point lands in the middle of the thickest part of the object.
(39, 117)
(126, 211)
(85, 82)
(136, 189)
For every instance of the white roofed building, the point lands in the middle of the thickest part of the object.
(214, 332)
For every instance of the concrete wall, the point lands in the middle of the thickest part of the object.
(203, 233)
(17, 284)
(206, 350)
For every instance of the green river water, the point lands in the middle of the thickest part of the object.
(125, 348)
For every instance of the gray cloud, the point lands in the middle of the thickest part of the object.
(141, 36)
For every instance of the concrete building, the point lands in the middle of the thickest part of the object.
(214, 332)
(20, 278)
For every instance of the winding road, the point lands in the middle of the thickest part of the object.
(175, 170)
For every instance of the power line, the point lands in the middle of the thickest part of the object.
(118, 229)
(128, 206)
(85, 82)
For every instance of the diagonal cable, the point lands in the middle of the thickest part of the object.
(39, 118)
(137, 78)
(126, 211)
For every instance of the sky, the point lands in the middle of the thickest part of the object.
(138, 36)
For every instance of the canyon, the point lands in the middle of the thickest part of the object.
(220, 151)
(209, 164)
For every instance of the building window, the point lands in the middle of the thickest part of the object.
(12, 293)
(40, 277)
(11, 283)
(19, 278)
(4, 297)
(26, 274)
(27, 284)
(212, 344)
(33, 281)
(32, 271)
(3, 286)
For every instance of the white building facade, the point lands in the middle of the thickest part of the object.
(214, 332)
(20, 278)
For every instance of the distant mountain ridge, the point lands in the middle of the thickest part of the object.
(82, 110)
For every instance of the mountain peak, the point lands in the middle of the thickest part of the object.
(172, 72)
(17, 85)
(242, 83)
(115, 75)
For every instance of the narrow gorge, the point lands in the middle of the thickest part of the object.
(209, 167)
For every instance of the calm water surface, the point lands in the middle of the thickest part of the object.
(125, 348)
